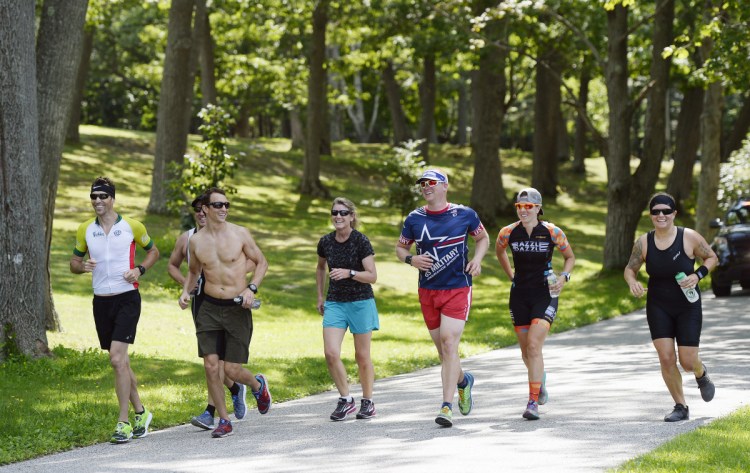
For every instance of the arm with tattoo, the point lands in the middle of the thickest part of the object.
(634, 265)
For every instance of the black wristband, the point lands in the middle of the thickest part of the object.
(701, 272)
(407, 260)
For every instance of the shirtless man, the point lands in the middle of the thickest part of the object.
(223, 327)
(180, 254)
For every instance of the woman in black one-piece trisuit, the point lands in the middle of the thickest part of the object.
(667, 251)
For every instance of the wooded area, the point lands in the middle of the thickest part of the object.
(565, 79)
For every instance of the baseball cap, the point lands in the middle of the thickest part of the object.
(531, 196)
(433, 174)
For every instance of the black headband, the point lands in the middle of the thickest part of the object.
(104, 188)
(662, 199)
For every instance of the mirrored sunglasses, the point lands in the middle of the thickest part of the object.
(429, 183)
(525, 206)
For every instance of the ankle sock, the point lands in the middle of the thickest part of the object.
(235, 389)
(211, 410)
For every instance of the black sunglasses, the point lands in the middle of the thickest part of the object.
(343, 213)
(99, 196)
(197, 209)
(218, 205)
(662, 211)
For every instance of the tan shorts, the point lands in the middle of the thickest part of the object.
(224, 328)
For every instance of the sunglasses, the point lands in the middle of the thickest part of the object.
(525, 206)
(218, 205)
(197, 209)
(429, 183)
(99, 196)
(343, 213)
(662, 211)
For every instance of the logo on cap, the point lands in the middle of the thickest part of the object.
(432, 174)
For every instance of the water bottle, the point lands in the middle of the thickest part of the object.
(552, 280)
(254, 305)
(690, 293)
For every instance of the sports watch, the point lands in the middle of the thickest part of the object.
(141, 269)
(407, 260)
(566, 275)
(253, 288)
(352, 273)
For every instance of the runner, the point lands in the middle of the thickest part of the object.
(667, 251)
(224, 328)
(440, 230)
(532, 307)
(179, 254)
(348, 258)
(110, 240)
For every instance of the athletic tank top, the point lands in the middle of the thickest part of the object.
(663, 265)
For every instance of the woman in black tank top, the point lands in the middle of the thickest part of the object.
(673, 316)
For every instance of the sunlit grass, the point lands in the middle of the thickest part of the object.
(287, 345)
(721, 446)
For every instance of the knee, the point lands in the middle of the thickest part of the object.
(232, 370)
(449, 346)
(211, 367)
(667, 359)
(333, 355)
(363, 358)
(119, 362)
(533, 350)
(688, 363)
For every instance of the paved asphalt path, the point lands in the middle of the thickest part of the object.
(607, 402)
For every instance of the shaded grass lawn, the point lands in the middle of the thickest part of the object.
(69, 401)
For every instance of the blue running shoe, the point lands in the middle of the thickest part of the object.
(204, 421)
(465, 401)
(240, 408)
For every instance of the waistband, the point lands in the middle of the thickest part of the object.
(215, 301)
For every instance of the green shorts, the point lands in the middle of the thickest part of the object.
(224, 328)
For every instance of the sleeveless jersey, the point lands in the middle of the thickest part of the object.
(443, 235)
(114, 252)
(663, 265)
(532, 254)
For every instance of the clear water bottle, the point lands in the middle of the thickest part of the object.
(690, 293)
(552, 280)
(254, 305)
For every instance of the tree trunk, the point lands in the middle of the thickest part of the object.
(655, 137)
(58, 56)
(687, 142)
(546, 110)
(463, 113)
(739, 131)
(74, 121)
(242, 129)
(579, 150)
(393, 93)
(206, 54)
(175, 98)
(628, 194)
(708, 184)
(22, 316)
(563, 140)
(488, 96)
(427, 96)
(297, 129)
(619, 222)
(316, 104)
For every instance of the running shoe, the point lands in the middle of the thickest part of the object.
(263, 396)
(123, 432)
(343, 409)
(532, 410)
(240, 408)
(366, 409)
(224, 429)
(445, 417)
(465, 401)
(543, 394)
(204, 421)
(142, 421)
(679, 413)
(706, 385)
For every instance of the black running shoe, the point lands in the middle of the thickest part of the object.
(366, 410)
(706, 386)
(679, 413)
(343, 409)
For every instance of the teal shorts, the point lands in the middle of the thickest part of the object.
(358, 316)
